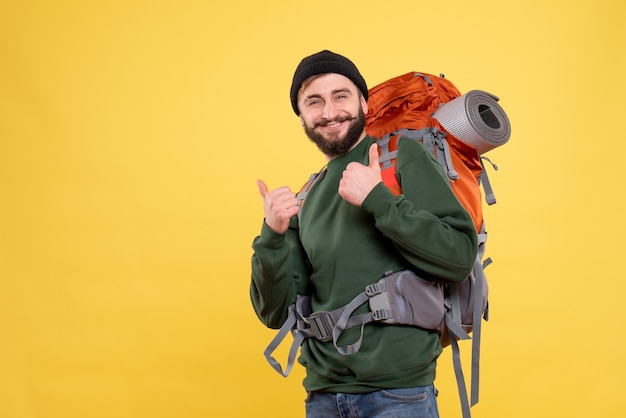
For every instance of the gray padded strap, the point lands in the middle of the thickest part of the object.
(416, 134)
(439, 146)
(305, 190)
(433, 139)
(452, 173)
(385, 155)
(307, 187)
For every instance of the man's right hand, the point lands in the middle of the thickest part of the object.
(279, 205)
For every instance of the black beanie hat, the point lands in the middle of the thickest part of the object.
(322, 63)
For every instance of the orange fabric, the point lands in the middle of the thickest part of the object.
(407, 102)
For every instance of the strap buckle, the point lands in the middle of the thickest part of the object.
(375, 288)
(382, 314)
(322, 324)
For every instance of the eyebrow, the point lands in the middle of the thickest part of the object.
(342, 90)
(319, 96)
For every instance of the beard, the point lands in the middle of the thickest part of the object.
(341, 145)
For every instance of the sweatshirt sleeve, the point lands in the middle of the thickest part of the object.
(279, 273)
(427, 223)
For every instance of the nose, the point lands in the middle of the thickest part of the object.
(330, 110)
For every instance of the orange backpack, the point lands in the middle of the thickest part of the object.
(457, 128)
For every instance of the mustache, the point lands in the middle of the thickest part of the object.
(338, 119)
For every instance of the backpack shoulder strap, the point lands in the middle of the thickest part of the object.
(304, 191)
(433, 138)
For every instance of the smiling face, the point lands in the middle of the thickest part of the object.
(332, 112)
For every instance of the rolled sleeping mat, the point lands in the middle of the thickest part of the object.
(477, 119)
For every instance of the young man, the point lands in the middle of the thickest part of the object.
(353, 229)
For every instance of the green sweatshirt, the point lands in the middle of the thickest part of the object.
(338, 249)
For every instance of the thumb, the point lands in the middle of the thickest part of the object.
(374, 157)
(262, 188)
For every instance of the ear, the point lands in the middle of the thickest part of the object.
(364, 104)
(301, 121)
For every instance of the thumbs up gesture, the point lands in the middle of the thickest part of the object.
(358, 180)
(279, 205)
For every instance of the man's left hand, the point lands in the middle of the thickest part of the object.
(358, 180)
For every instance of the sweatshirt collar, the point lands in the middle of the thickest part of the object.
(355, 154)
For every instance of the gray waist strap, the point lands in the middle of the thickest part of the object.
(400, 298)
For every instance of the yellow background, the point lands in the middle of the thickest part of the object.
(131, 136)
